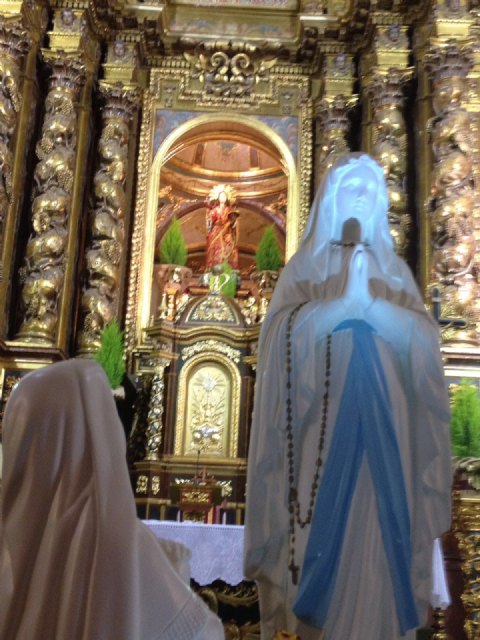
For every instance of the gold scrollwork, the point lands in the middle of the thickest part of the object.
(211, 345)
(230, 69)
(142, 485)
(155, 485)
(213, 308)
(196, 496)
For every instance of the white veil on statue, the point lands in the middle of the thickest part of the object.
(75, 561)
(320, 255)
(346, 275)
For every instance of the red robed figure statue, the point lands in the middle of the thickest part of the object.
(222, 227)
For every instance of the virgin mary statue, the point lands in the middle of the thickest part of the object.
(349, 464)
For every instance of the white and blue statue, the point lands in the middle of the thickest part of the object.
(349, 473)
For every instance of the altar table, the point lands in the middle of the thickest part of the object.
(217, 549)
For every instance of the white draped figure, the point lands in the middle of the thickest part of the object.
(75, 562)
(349, 462)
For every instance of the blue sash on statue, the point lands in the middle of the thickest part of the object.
(364, 426)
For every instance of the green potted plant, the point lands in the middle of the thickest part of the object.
(172, 249)
(465, 421)
(268, 260)
(269, 256)
(465, 432)
(111, 354)
(171, 275)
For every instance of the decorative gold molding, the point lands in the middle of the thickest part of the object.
(133, 329)
(211, 346)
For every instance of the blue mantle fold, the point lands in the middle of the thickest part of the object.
(364, 426)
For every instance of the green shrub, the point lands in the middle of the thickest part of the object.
(465, 421)
(173, 249)
(110, 354)
(268, 256)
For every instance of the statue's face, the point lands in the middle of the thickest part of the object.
(222, 197)
(356, 195)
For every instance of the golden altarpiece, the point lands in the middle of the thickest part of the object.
(117, 116)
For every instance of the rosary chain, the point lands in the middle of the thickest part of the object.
(293, 501)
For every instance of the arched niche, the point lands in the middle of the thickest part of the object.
(208, 407)
(174, 141)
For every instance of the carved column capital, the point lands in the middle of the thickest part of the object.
(119, 101)
(331, 111)
(67, 69)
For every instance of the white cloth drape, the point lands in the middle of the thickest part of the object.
(75, 562)
(369, 282)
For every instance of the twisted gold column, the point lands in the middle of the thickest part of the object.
(389, 148)
(331, 113)
(155, 412)
(106, 245)
(44, 266)
(20, 35)
(452, 189)
(50, 264)
(384, 71)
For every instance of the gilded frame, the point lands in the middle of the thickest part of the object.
(234, 413)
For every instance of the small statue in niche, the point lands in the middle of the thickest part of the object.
(222, 227)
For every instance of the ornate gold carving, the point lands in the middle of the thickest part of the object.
(211, 346)
(122, 63)
(332, 124)
(230, 69)
(213, 308)
(172, 280)
(153, 433)
(452, 203)
(155, 485)
(142, 485)
(466, 525)
(266, 282)
(250, 309)
(14, 42)
(137, 268)
(244, 595)
(208, 411)
(306, 139)
(208, 406)
(389, 147)
(44, 269)
(196, 495)
(99, 302)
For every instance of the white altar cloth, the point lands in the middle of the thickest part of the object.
(217, 549)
